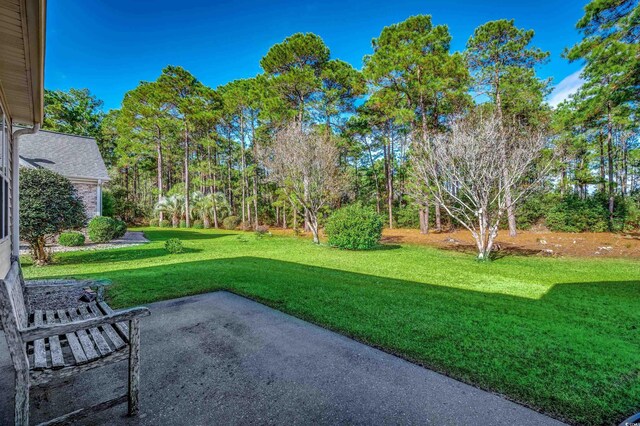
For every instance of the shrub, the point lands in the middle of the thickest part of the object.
(533, 210)
(408, 217)
(71, 239)
(183, 223)
(164, 223)
(101, 229)
(230, 222)
(262, 230)
(173, 246)
(154, 222)
(198, 224)
(49, 205)
(120, 229)
(354, 227)
(108, 204)
(574, 214)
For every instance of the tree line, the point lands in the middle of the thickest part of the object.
(256, 148)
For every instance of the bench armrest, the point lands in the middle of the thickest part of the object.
(40, 332)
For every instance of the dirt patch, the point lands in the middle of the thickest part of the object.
(529, 243)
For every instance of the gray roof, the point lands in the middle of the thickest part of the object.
(70, 155)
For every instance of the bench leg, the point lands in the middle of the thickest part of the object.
(134, 367)
(22, 398)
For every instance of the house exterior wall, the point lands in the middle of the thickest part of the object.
(88, 193)
(6, 200)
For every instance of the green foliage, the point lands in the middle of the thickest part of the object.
(574, 214)
(231, 222)
(502, 62)
(71, 239)
(48, 205)
(407, 216)
(164, 223)
(197, 224)
(172, 206)
(101, 229)
(173, 246)
(154, 221)
(632, 219)
(76, 111)
(120, 228)
(412, 61)
(183, 223)
(108, 203)
(534, 209)
(354, 227)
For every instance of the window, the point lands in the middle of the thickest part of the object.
(4, 176)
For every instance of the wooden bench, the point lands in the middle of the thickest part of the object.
(49, 345)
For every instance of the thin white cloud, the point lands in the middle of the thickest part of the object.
(567, 87)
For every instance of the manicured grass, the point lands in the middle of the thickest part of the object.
(560, 335)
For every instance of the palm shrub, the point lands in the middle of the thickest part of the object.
(197, 224)
(101, 229)
(209, 207)
(172, 206)
(49, 204)
(71, 239)
(163, 223)
(183, 223)
(154, 222)
(354, 227)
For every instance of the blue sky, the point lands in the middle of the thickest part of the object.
(110, 46)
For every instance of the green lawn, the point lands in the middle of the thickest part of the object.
(559, 335)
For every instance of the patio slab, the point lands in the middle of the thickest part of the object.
(219, 358)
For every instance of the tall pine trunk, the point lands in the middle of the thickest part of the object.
(186, 176)
(610, 165)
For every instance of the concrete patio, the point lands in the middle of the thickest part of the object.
(218, 358)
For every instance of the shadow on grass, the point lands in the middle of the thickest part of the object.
(159, 234)
(115, 255)
(499, 252)
(539, 351)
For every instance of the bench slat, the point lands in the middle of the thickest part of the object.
(122, 326)
(113, 335)
(74, 344)
(100, 341)
(57, 358)
(85, 340)
(39, 349)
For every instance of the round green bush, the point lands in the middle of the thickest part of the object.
(121, 228)
(354, 227)
(154, 222)
(49, 204)
(173, 245)
(198, 224)
(71, 239)
(101, 229)
(231, 222)
(164, 223)
(183, 224)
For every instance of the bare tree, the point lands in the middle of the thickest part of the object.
(305, 165)
(478, 170)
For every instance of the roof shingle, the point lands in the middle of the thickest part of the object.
(69, 155)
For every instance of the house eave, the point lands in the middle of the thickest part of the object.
(22, 65)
